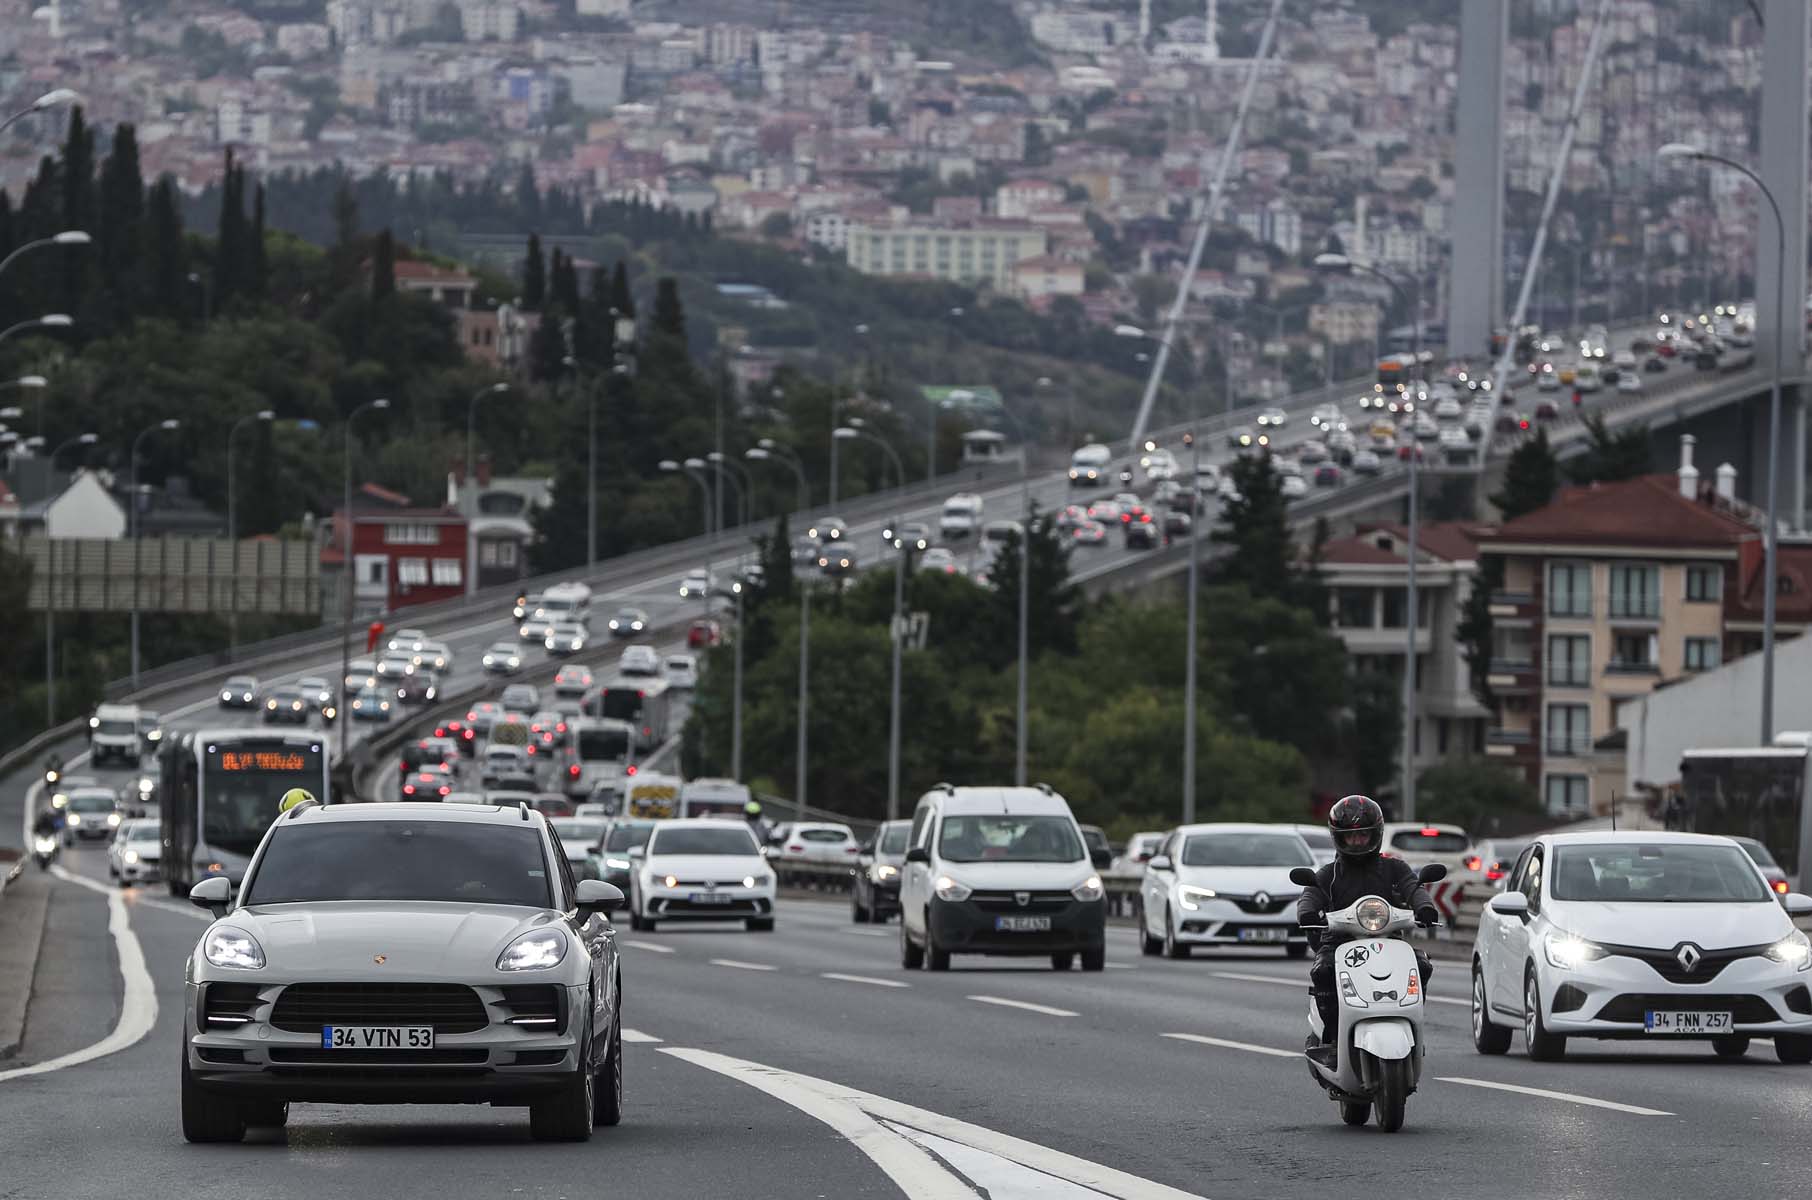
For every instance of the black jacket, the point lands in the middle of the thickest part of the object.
(1345, 881)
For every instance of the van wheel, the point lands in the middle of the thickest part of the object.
(1094, 960)
(1795, 1049)
(1734, 1046)
(912, 956)
(936, 957)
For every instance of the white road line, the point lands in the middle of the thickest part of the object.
(1303, 983)
(1223, 1043)
(138, 1004)
(884, 1130)
(169, 906)
(1121, 967)
(637, 1037)
(866, 932)
(1544, 1093)
(649, 946)
(892, 983)
(739, 965)
(1023, 1004)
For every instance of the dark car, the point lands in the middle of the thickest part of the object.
(288, 705)
(628, 622)
(1177, 523)
(460, 730)
(1547, 411)
(874, 890)
(840, 560)
(423, 687)
(1327, 475)
(241, 691)
(1656, 365)
(614, 848)
(1141, 533)
(1095, 838)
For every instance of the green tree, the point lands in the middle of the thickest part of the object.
(1475, 631)
(560, 525)
(1376, 733)
(1053, 602)
(1256, 529)
(383, 266)
(230, 251)
(669, 317)
(1531, 477)
(119, 238)
(1611, 456)
(1480, 796)
(1281, 675)
(621, 298)
(166, 260)
(257, 272)
(534, 276)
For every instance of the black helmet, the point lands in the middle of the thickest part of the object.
(1357, 824)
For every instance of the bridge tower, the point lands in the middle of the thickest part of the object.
(1475, 293)
(1783, 167)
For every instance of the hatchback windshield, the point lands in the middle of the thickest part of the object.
(143, 833)
(822, 835)
(452, 861)
(629, 836)
(1246, 850)
(1758, 852)
(91, 802)
(893, 839)
(995, 837)
(703, 841)
(116, 728)
(1675, 873)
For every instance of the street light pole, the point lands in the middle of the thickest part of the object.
(1771, 541)
(233, 523)
(348, 575)
(50, 592)
(1189, 638)
(132, 519)
(898, 632)
(69, 237)
(51, 99)
(468, 495)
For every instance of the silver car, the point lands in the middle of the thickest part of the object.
(404, 954)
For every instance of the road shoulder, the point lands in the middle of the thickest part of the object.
(22, 919)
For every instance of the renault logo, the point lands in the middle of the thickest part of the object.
(1263, 899)
(1688, 956)
(1022, 898)
(378, 959)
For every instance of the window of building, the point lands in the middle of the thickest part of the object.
(1635, 652)
(448, 572)
(1569, 589)
(398, 533)
(1355, 607)
(411, 571)
(1569, 729)
(487, 554)
(506, 554)
(1567, 794)
(1396, 607)
(1636, 592)
(1703, 654)
(1569, 660)
(1704, 584)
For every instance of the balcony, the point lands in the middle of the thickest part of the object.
(1513, 675)
(1562, 745)
(1514, 606)
(1616, 667)
(1510, 743)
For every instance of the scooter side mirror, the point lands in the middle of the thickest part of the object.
(1302, 876)
(1432, 873)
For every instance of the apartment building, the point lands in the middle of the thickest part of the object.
(984, 251)
(1607, 593)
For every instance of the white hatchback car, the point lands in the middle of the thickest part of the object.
(134, 853)
(1641, 936)
(680, 670)
(1223, 884)
(700, 870)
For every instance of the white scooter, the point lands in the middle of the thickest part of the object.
(1379, 990)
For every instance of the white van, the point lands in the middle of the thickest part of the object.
(1586, 378)
(569, 603)
(961, 516)
(113, 733)
(1088, 465)
(1000, 870)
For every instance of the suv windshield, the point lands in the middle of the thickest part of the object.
(893, 839)
(91, 802)
(703, 841)
(1656, 873)
(116, 728)
(452, 861)
(628, 837)
(996, 837)
(1246, 850)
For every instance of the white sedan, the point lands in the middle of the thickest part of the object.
(1647, 936)
(502, 658)
(696, 583)
(680, 671)
(1293, 487)
(701, 870)
(1223, 885)
(1273, 418)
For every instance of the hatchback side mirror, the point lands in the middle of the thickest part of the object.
(1158, 862)
(1797, 904)
(596, 896)
(1515, 904)
(213, 894)
(1302, 876)
(1432, 873)
(918, 854)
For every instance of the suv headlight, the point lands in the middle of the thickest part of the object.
(1794, 950)
(949, 889)
(1089, 890)
(229, 947)
(1191, 897)
(535, 950)
(1569, 952)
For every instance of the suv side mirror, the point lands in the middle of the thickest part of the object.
(213, 894)
(1432, 873)
(1101, 859)
(1158, 862)
(1302, 876)
(918, 854)
(595, 896)
(638, 851)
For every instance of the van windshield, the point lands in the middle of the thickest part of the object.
(996, 837)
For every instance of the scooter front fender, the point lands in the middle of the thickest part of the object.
(1385, 1038)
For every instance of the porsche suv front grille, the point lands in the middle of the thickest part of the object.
(448, 1007)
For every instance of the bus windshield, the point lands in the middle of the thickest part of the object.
(603, 745)
(241, 785)
(623, 704)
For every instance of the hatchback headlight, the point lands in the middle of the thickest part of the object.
(229, 947)
(535, 950)
(1089, 890)
(1569, 952)
(617, 864)
(1191, 897)
(113, 819)
(1794, 950)
(1372, 914)
(886, 871)
(131, 856)
(949, 889)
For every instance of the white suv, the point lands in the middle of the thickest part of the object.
(1000, 870)
(1640, 936)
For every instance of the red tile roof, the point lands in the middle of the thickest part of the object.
(1793, 594)
(1442, 541)
(1648, 512)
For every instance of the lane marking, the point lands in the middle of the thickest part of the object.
(168, 906)
(1304, 985)
(138, 1004)
(639, 1038)
(648, 946)
(1225, 1044)
(1544, 1093)
(892, 983)
(1121, 967)
(863, 932)
(739, 965)
(887, 1131)
(995, 1177)
(1027, 1005)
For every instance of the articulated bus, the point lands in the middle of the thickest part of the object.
(1761, 793)
(643, 702)
(218, 793)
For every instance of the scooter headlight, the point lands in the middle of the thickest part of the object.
(1372, 914)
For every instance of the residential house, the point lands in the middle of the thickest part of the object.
(500, 521)
(1044, 276)
(67, 506)
(401, 554)
(452, 288)
(982, 252)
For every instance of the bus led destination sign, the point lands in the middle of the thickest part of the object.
(263, 760)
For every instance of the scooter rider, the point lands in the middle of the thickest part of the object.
(1358, 870)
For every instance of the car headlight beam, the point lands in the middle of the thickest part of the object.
(535, 950)
(235, 948)
(950, 890)
(1569, 952)
(1794, 950)
(1089, 890)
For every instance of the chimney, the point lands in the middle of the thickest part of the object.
(1726, 481)
(1689, 474)
(484, 470)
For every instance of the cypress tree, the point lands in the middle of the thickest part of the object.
(229, 252)
(621, 298)
(257, 265)
(534, 276)
(528, 198)
(669, 314)
(566, 285)
(383, 266)
(165, 262)
(78, 173)
(120, 232)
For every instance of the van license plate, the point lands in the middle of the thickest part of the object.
(377, 1037)
(1688, 1022)
(1022, 924)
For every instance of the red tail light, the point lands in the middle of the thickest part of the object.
(573, 771)
(629, 770)
(1780, 886)
(647, 731)
(531, 748)
(561, 727)
(445, 790)
(795, 849)
(1494, 874)
(1430, 831)
(852, 849)
(467, 733)
(471, 716)
(1474, 862)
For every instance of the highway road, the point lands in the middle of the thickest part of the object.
(808, 1063)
